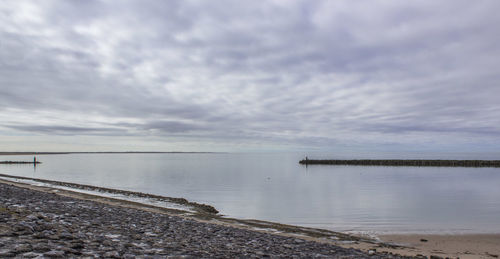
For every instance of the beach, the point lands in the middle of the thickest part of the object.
(452, 246)
(48, 221)
(55, 223)
(462, 246)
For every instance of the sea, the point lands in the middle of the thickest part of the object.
(275, 187)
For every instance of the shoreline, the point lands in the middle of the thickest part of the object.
(41, 221)
(453, 246)
(198, 211)
(104, 152)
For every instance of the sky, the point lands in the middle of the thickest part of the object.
(250, 75)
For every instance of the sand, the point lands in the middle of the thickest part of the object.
(451, 246)
(463, 246)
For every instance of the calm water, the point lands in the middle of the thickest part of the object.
(275, 187)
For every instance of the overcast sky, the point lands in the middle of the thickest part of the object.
(250, 75)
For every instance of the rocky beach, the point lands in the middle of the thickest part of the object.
(42, 224)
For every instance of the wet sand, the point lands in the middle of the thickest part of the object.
(445, 246)
(463, 246)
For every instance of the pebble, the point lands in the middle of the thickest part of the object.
(54, 254)
(6, 253)
(30, 255)
(37, 224)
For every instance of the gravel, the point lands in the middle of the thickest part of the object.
(36, 224)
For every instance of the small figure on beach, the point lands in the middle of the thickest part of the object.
(34, 160)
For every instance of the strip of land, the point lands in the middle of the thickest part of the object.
(404, 162)
(31, 153)
(103, 152)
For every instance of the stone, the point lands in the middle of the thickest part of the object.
(30, 255)
(6, 233)
(68, 250)
(23, 248)
(54, 254)
(66, 236)
(41, 248)
(128, 256)
(77, 245)
(112, 254)
(7, 253)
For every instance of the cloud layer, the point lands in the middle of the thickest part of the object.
(289, 74)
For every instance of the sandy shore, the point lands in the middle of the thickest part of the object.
(453, 246)
(445, 246)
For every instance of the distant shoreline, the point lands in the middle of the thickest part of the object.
(103, 152)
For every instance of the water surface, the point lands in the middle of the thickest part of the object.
(275, 187)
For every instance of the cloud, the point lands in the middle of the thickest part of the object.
(61, 130)
(310, 74)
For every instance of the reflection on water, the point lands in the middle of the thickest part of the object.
(275, 187)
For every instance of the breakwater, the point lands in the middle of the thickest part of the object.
(18, 162)
(404, 162)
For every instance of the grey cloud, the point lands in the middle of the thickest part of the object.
(172, 126)
(323, 72)
(64, 130)
(402, 128)
(164, 126)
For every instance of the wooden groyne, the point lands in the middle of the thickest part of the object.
(18, 162)
(405, 162)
